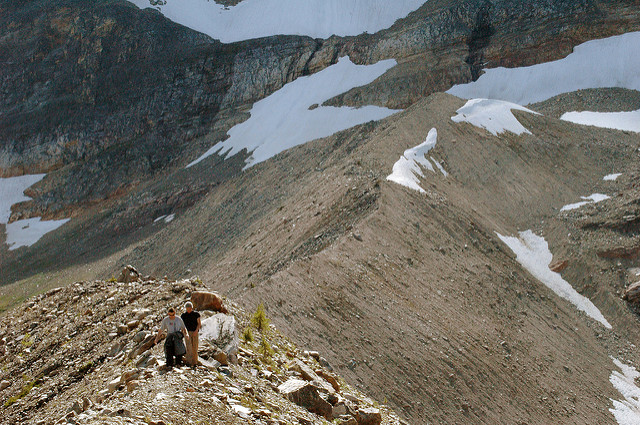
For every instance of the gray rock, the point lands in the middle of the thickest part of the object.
(140, 336)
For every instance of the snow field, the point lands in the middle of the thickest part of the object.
(262, 18)
(627, 411)
(591, 199)
(627, 121)
(495, 116)
(283, 120)
(408, 169)
(532, 252)
(609, 62)
(22, 232)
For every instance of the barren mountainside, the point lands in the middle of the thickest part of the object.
(461, 261)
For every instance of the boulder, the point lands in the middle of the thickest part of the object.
(133, 324)
(142, 313)
(146, 344)
(558, 266)
(75, 407)
(207, 301)
(129, 274)
(132, 385)
(309, 375)
(221, 357)
(86, 404)
(129, 375)
(368, 416)
(624, 252)
(632, 293)
(140, 336)
(329, 378)
(306, 395)
(218, 333)
(4, 384)
(113, 385)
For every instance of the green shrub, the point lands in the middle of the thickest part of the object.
(259, 319)
(27, 341)
(247, 335)
(265, 349)
(86, 368)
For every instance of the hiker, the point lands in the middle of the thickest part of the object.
(173, 345)
(191, 321)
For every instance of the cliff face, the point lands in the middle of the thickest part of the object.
(107, 95)
(449, 42)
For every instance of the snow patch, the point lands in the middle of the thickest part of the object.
(495, 116)
(440, 167)
(22, 232)
(407, 170)
(591, 199)
(627, 121)
(532, 252)
(29, 231)
(612, 177)
(283, 120)
(609, 62)
(627, 411)
(12, 191)
(262, 18)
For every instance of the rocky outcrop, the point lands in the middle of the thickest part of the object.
(632, 293)
(77, 369)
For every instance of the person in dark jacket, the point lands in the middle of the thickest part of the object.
(191, 321)
(173, 345)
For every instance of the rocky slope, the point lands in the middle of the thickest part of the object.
(106, 97)
(411, 297)
(84, 354)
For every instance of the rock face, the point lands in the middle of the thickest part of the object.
(131, 91)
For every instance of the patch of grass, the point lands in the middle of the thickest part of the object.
(25, 390)
(259, 319)
(112, 279)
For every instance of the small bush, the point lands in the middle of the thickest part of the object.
(259, 319)
(27, 341)
(247, 335)
(265, 349)
(86, 368)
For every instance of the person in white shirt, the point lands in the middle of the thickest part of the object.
(173, 345)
